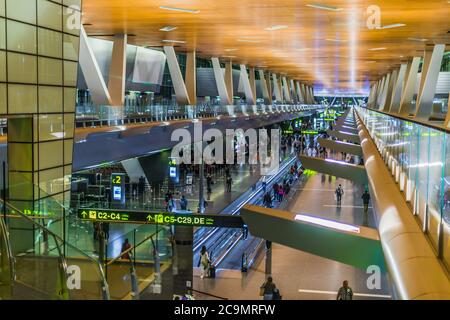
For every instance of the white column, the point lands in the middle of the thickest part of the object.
(117, 70)
(424, 105)
(410, 86)
(294, 96)
(447, 118)
(380, 92)
(220, 81)
(265, 90)
(252, 80)
(229, 81)
(191, 76)
(313, 100)
(287, 95)
(246, 84)
(92, 74)
(276, 88)
(397, 90)
(384, 93)
(299, 92)
(177, 78)
(392, 81)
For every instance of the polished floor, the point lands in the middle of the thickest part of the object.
(300, 275)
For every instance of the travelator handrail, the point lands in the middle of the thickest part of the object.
(246, 198)
(105, 288)
(133, 247)
(208, 294)
(235, 240)
(4, 234)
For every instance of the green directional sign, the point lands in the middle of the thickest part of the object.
(147, 217)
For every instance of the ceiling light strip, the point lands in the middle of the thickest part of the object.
(180, 9)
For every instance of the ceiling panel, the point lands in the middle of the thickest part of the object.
(329, 48)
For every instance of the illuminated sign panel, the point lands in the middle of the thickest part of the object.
(191, 220)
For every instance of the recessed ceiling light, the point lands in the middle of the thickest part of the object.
(418, 39)
(230, 50)
(174, 41)
(323, 7)
(248, 40)
(377, 49)
(228, 56)
(395, 25)
(180, 9)
(168, 28)
(276, 27)
(336, 40)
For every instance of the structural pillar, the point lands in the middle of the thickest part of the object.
(229, 81)
(424, 104)
(276, 88)
(117, 71)
(397, 90)
(191, 77)
(250, 99)
(410, 86)
(265, 90)
(177, 78)
(220, 81)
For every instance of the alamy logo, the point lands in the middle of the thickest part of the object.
(73, 277)
(73, 20)
(374, 17)
(374, 280)
(239, 144)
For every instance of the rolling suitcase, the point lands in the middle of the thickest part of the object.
(212, 272)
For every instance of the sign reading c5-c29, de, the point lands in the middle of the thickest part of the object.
(145, 217)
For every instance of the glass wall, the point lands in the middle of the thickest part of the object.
(419, 159)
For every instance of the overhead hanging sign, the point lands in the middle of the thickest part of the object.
(146, 217)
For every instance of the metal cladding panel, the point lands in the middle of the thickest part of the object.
(97, 148)
(342, 135)
(340, 146)
(340, 169)
(360, 250)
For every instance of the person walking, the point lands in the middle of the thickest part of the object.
(209, 183)
(366, 199)
(229, 183)
(125, 246)
(267, 289)
(345, 292)
(339, 193)
(183, 203)
(280, 193)
(204, 262)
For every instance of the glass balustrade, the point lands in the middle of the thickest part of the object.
(419, 159)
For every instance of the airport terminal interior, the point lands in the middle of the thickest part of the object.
(224, 150)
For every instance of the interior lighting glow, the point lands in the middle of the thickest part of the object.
(168, 28)
(323, 7)
(276, 27)
(180, 9)
(327, 223)
(394, 25)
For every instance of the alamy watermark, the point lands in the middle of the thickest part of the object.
(239, 145)
(73, 20)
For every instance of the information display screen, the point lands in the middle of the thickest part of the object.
(194, 220)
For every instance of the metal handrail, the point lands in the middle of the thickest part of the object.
(5, 234)
(56, 237)
(133, 247)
